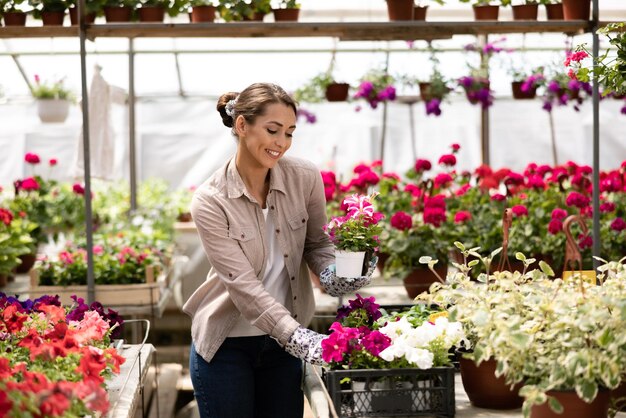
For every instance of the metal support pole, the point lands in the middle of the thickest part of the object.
(596, 139)
(384, 132)
(132, 151)
(86, 154)
(412, 126)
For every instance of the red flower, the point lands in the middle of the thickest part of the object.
(577, 199)
(434, 216)
(52, 162)
(437, 201)
(618, 224)
(535, 181)
(559, 214)
(422, 165)
(607, 207)
(443, 179)
(13, 319)
(462, 216)
(455, 147)
(32, 158)
(413, 189)
(498, 197)
(78, 189)
(519, 210)
(555, 226)
(29, 183)
(92, 363)
(5, 404)
(401, 220)
(463, 189)
(483, 171)
(6, 216)
(585, 241)
(514, 179)
(448, 159)
(54, 405)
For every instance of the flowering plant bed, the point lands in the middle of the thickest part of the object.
(54, 360)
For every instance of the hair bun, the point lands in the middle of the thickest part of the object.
(222, 102)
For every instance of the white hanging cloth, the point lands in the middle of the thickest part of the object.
(101, 135)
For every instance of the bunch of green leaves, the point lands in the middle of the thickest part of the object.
(54, 90)
(237, 10)
(314, 91)
(15, 240)
(10, 5)
(40, 6)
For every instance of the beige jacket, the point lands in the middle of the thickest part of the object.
(231, 226)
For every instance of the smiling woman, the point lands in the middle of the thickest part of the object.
(260, 218)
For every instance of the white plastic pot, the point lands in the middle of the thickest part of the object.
(349, 263)
(53, 110)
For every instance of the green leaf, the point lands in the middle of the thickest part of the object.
(473, 263)
(425, 259)
(520, 256)
(545, 268)
(459, 245)
(555, 405)
(587, 390)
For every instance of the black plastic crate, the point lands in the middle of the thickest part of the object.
(392, 392)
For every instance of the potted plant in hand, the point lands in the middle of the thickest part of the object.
(51, 12)
(354, 235)
(287, 11)
(12, 15)
(53, 100)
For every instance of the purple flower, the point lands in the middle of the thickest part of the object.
(623, 110)
(547, 106)
(308, 116)
(554, 86)
(388, 93)
(466, 82)
(375, 342)
(432, 107)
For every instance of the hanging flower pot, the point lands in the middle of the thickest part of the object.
(525, 12)
(53, 110)
(151, 14)
(53, 18)
(15, 19)
(118, 14)
(486, 12)
(286, 15)
(519, 94)
(573, 406)
(400, 9)
(349, 263)
(419, 12)
(554, 11)
(425, 91)
(73, 11)
(203, 14)
(576, 9)
(337, 92)
(484, 389)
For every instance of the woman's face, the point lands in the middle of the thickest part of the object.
(263, 143)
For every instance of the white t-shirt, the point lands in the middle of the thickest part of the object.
(275, 281)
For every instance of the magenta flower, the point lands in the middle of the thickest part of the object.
(422, 165)
(618, 225)
(577, 199)
(413, 189)
(462, 216)
(29, 184)
(514, 179)
(31, 158)
(401, 220)
(536, 181)
(555, 226)
(78, 189)
(519, 210)
(448, 159)
(607, 207)
(498, 197)
(443, 179)
(559, 214)
(434, 216)
(585, 241)
(334, 347)
(433, 107)
(375, 342)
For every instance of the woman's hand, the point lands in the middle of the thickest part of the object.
(337, 286)
(306, 344)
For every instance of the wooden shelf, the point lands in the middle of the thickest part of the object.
(347, 31)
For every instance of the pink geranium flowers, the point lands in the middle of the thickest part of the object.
(358, 230)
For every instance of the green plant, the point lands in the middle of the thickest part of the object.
(173, 7)
(487, 2)
(236, 10)
(314, 90)
(196, 3)
(92, 6)
(421, 3)
(40, 6)
(120, 3)
(288, 4)
(54, 90)
(10, 5)
(15, 240)
(609, 70)
(547, 334)
(358, 230)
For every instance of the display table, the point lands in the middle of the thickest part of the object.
(126, 390)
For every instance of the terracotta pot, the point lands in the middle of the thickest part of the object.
(286, 15)
(15, 19)
(484, 389)
(518, 94)
(202, 14)
(28, 260)
(419, 12)
(573, 406)
(525, 12)
(52, 18)
(337, 92)
(486, 12)
(420, 279)
(151, 14)
(554, 11)
(89, 17)
(576, 9)
(618, 397)
(382, 259)
(400, 9)
(425, 91)
(184, 217)
(118, 14)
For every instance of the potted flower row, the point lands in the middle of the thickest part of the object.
(527, 9)
(52, 12)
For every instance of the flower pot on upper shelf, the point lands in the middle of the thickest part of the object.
(400, 9)
(554, 11)
(576, 9)
(14, 19)
(525, 11)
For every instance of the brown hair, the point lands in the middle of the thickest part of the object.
(252, 102)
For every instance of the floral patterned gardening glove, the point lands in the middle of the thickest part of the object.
(337, 286)
(306, 344)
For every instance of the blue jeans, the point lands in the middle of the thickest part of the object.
(249, 377)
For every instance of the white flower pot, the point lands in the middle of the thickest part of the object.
(361, 396)
(53, 110)
(349, 263)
